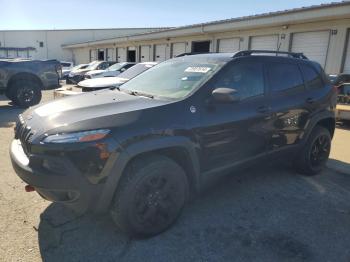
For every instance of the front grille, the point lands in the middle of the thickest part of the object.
(24, 133)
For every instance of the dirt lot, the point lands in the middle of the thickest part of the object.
(267, 213)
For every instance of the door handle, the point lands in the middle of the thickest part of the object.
(263, 109)
(310, 100)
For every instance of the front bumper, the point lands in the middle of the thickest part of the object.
(68, 186)
(74, 79)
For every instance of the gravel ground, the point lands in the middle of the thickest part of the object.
(266, 213)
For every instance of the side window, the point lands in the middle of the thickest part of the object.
(245, 77)
(311, 77)
(284, 76)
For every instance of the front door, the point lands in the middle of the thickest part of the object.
(236, 131)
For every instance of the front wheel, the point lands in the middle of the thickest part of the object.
(313, 157)
(150, 196)
(26, 93)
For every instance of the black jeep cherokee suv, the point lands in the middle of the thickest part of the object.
(138, 151)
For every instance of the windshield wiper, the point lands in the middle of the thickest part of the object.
(137, 93)
(115, 87)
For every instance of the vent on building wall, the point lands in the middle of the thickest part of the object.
(41, 44)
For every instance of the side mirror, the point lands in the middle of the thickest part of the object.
(122, 70)
(225, 95)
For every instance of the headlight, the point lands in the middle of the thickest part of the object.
(85, 136)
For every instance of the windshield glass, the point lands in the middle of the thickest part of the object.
(93, 65)
(135, 70)
(116, 67)
(175, 78)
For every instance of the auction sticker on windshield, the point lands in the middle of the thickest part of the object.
(197, 69)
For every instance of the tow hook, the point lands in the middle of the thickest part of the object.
(29, 188)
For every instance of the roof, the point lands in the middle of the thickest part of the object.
(237, 20)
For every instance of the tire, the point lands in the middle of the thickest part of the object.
(313, 157)
(150, 197)
(26, 93)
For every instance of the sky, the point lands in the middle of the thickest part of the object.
(72, 14)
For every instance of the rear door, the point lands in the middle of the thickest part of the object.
(231, 132)
(287, 100)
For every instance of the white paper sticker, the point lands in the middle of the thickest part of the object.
(198, 69)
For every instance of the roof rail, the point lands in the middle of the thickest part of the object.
(250, 52)
(191, 53)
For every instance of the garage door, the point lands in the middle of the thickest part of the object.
(265, 42)
(347, 58)
(3, 53)
(160, 53)
(110, 54)
(313, 44)
(145, 53)
(178, 48)
(228, 45)
(121, 54)
(93, 54)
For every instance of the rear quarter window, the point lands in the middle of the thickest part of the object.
(284, 76)
(311, 77)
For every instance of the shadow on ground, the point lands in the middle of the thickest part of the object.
(8, 115)
(262, 214)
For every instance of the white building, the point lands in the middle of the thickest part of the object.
(47, 44)
(321, 32)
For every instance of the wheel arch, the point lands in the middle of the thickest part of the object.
(24, 76)
(179, 149)
(325, 119)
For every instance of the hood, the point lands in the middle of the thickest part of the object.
(79, 71)
(102, 82)
(93, 72)
(101, 109)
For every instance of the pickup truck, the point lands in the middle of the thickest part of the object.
(22, 80)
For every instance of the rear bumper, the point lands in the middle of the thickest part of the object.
(69, 187)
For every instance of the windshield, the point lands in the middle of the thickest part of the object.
(175, 78)
(93, 65)
(116, 67)
(135, 70)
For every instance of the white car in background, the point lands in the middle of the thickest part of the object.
(113, 70)
(104, 82)
(66, 68)
(65, 72)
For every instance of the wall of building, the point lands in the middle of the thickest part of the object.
(54, 39)
(335, 53)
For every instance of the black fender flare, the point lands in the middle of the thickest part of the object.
(121, 158)
(314, 121)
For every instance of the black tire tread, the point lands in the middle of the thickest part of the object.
(133, 172)
(301, 161)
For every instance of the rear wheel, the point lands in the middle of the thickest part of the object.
(315, 153)
(26, 93)
(150, 196)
